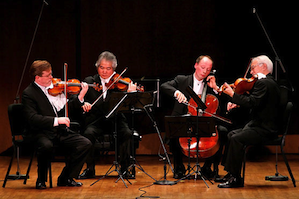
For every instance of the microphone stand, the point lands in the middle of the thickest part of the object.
(166, 158)
(29, 52)
(277, 59)
(18, 175)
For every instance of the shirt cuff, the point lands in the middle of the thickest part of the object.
(55, 121)
(80, 100)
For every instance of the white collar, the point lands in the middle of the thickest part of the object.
(196, 80)
(261, 76)
(108, 79)
(43, 87)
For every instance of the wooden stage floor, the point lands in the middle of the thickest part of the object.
(255, 184)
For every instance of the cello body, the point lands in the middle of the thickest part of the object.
(207, 146)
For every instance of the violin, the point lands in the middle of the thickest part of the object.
(117, 81)
(73, 86)
(241, 85)
(121, 83)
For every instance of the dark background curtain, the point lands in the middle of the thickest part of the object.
(153, 38)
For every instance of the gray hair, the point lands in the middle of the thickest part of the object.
(109, 57)
(263, 59)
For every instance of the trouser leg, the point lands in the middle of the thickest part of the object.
(44, 150)
(78, 147)
(235, 153)
(124, 147)
(91, 133)
(177, 154)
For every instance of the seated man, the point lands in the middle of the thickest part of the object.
(44, 114)
(200, 79)
(95, 121)
(264, 100)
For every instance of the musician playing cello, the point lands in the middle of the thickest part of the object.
(96, 124)
(177, 88)
(264, 100)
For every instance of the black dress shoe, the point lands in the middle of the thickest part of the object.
(128, 175)
(233, 182)
(224, 179)
(40, 185)
(207, 172)
(216, 176)
(179, 174)
(68, 183)
(87, 174)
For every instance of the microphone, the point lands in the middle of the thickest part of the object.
(253, 10)
(45, 2)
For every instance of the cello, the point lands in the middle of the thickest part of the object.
(207, 146)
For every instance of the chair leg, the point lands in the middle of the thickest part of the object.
(50, 175)
(29, 167)
(9, 167)
(288, 166)
(244, 164)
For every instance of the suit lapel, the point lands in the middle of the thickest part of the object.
(43, 100)
(190, 80)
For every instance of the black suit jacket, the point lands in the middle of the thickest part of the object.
(39, 112)
(264, 101)
(180, 82)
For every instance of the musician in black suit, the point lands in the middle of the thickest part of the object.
(95, 121)
(48, 125)
(263, 100)
(177, 88)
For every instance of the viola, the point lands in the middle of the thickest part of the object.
(207, 146)
(73, 86)
(117, 81)
(241, 85)
(121, 83)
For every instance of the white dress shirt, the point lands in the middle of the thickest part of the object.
(57, 102)
(104, 81)
(197, 85)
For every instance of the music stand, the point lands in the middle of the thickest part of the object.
(136, 101)
(122, 101)
(116, 103)
(200, 106)
(184, 125)
(190, 126)
(198, 101)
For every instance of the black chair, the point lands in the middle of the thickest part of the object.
(17, 126)
(75, 126)
(104, 144)
(280, 141)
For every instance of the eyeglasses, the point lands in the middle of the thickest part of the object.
(103, 68)
(49, 75)
(253, 66)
